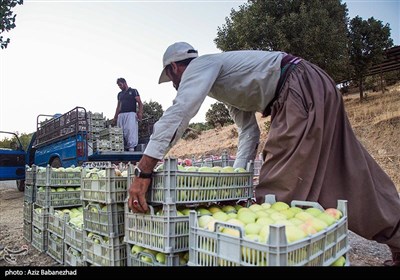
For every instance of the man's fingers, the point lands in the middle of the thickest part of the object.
(143, 203)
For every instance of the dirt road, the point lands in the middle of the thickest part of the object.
(362, 253)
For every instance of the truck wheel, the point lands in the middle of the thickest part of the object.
(21, 185)
(56, 163)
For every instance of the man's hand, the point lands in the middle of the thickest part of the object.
(137, 195)
(139, 116)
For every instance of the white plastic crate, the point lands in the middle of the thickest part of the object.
(103, 186)
(40, 217)
(214, 248)
(29, 193)
(58, 177)
(72, 256)
(39, 239)
(56, 223)
(55, 248)
(184, 187)
(27, 228)
(149, 259)
(166, 232)
(30, 175)
(47, 196)
(107, 220)
(28, 208)
(101, 251)
(73, 236)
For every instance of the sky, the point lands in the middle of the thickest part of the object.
(65, 54)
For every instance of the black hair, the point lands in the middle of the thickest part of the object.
(121, 80)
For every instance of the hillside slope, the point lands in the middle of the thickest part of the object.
(375, 121)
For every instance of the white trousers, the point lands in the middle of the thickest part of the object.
(129, 124)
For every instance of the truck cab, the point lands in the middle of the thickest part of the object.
(13, 161)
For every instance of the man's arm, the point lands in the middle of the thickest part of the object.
(117, 110)
(138, 193)
(140, 108)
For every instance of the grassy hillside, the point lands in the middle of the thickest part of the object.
(375, 121)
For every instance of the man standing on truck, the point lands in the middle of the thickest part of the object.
(129, 111)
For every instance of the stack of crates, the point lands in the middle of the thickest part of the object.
(96, 123)
(164, 232)
(73, 239)
(29, 199)
(103, 193)
(111, 139)
(57, 191)
(216, 248)
(223, 160)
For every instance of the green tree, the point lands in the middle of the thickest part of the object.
(24, 138)
(7, 19)
(152, 112)
(368, 40)
(313, 29)
(218, 114)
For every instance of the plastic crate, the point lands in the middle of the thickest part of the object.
(29, 193)
(149, 259)
(40, 217)
(28, 208)
(167, 232)
(171, 185)
(39, 239)
(214, 248)
(47, 196)
(27, 228)
(55, 247)
(56, 222)
(101, 251)
(107, 189)
(30, 175)
(72, 256)
(107, 220)
(73, 236)
(58, 177)
(257, 167)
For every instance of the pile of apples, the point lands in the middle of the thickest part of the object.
(156, 258)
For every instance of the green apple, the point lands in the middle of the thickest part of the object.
(220, 216)
(232, 215)
(318, 224)
(304, 216)
(264, 234)
(293, 233)
(265, 221)
(277, 216)
(288, 213)
(214, 208)
(341, 261)
(326, 218)
(295, 209)
(261, 213)
(280, 205)
(307, 228)
(295, 221)
(228, 209)
(204, 220)
(252, 228)
(313, 211)
(247, 217)
(231, 231)
(160, 257)
(234, 221)
(266, 205)
(255, 207)
(203, 211)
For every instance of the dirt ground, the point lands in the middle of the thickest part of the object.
(376, 123)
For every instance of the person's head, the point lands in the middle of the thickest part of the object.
(175, 59)
(121, 82)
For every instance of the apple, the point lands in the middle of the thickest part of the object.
(160, 257)
(265, 221)
(280, 205)
(214, 208)
(266, 205)
(277, 216)
(232, 215)
(295, 209)
(288, 213)
(252, 228)
(326, 218)
(203, 211)
(228, 209)
(313, 211)
(255, 207)
(261, 213)
(341, 261)
(337, 214)
(231, 231)
(238, 206)
(234, 221)
(217, 169)
(293, 233)
(304, 216)
(307, 228)
(247, 217)
(318, 224)
(264, 233)
(204, 220)
(220, 216)
(296, 221)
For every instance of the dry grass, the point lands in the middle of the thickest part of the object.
(376, 122)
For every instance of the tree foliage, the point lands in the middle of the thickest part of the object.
(218, 114)
(24, 138)
(152, 109)
(313, 29)
(7, 19)
(368, 40)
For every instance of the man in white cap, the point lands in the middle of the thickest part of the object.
(311, 153)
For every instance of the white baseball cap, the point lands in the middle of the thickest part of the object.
(176, 52)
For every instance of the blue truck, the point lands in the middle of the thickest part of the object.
(63, 140)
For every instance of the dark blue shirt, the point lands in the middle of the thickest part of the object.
(127, 99)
